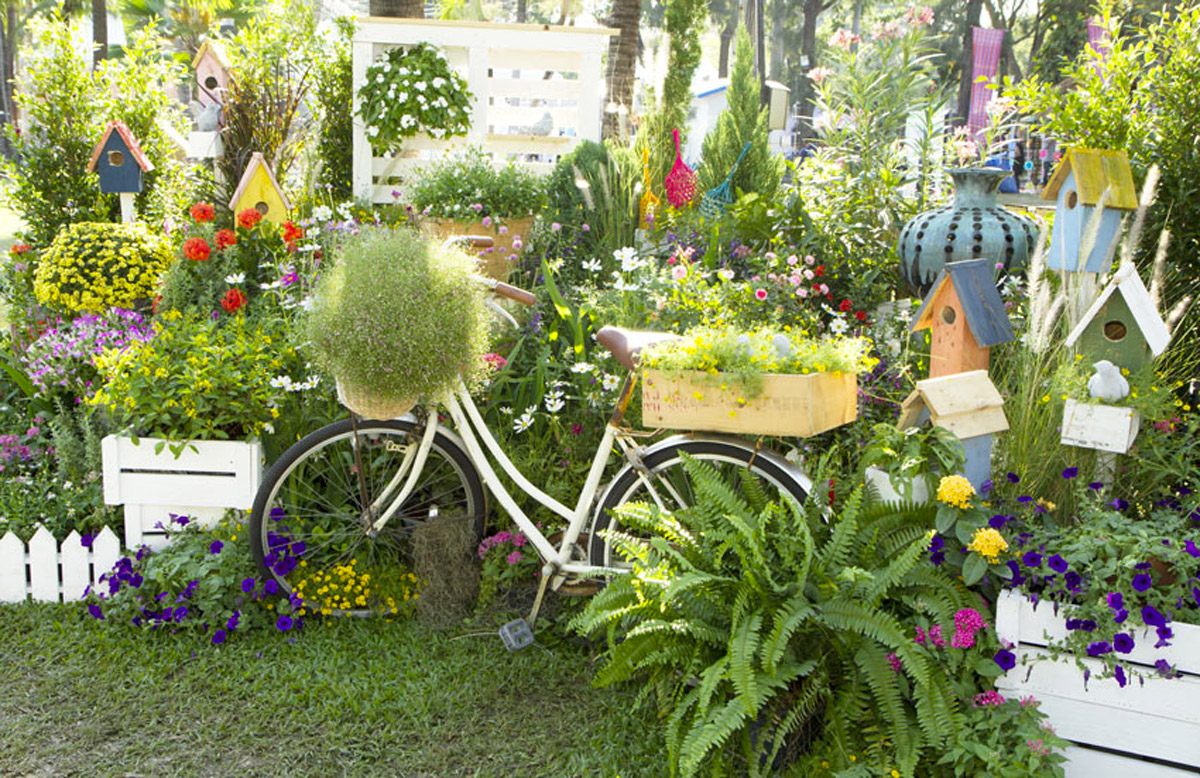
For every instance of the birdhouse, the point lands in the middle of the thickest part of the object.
(259, 190)
(1083, 176)
(967, 404)
(212, 73)
(966, 317)
(119, 161)
(1122, 325)
(777, 102)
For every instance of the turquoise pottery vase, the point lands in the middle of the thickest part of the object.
(973, 226)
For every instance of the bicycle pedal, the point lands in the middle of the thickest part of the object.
(516, 635)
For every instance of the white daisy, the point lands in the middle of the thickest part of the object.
(582, 367)
(610, 382)
(593, 265)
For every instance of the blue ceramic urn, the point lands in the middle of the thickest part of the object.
(973, 226)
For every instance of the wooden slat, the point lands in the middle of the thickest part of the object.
(553, 61)
(207, 473)
(505, 116)
(533, 88)
(106, 550)
(12, 569)
(76, 570)
(43, 566)
(1085, 762)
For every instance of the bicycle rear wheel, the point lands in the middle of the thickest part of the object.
(310, 529)
(674, 488)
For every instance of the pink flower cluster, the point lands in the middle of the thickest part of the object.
(966, 623)
(934, 635)
(894, 661)
(517, 539)
(990, 697)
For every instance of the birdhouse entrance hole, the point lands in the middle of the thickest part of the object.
(116, 158)
(1114, 331)
(262, 207)
(1072, 199)
(211, 83)
(949, 315)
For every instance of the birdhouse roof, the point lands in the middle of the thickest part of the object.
(213, 48)
(131, 143)
(1141, 305)
(257, 162)
(981, 303)
(1096, 170)
(967, 404)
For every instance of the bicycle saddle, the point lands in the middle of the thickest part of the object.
(625, 345)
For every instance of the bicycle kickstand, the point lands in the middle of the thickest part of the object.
(518, 634)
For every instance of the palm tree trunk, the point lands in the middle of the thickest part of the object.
(100, 30)
(728, 33)
(407, 9)
(622, 65)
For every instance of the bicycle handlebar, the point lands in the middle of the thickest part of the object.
(474, 241)
(515, 293)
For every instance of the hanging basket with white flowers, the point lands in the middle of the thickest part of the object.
(410, 90)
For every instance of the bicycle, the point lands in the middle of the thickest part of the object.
(344, 500)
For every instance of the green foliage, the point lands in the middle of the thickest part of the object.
(917, 453)
(745, 120)
(333, 93)
(197, 379)
(1011, 739)
(452, 188)
(398, 317)
(411, 90)
(67, 107)
(91, 267)
(750, 622)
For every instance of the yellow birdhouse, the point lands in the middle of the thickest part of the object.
(259, 190)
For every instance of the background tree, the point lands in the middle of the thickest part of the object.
(622, 66)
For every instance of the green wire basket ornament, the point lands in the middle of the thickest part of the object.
(719, 198)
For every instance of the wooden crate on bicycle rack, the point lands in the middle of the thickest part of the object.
(790, 405)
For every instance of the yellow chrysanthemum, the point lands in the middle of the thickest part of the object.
(955, 490)
(988, 543)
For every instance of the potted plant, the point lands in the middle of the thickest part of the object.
(190, 401)
(758, 382)
(410, 90)
(397, 320)
(905, 464)
(465, 194)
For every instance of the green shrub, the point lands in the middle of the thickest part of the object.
(91, 267)
(468, 186)
(333, 90)
(398, 317)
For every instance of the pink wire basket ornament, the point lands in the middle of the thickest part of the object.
(680, 183)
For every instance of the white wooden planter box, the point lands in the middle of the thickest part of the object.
(44, 571)
(1144, 731)
(205, 480)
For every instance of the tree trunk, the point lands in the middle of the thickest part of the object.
(622, 67)
(522, 10)
(407, 9)
(100, 30)
(728, 33)
(967, 63)
(779, 13)
(808, 54)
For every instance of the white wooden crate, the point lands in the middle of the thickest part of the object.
(1116, 732)
(44, 571)
(206, 479)
(516, 73)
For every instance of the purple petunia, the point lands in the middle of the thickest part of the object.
(1165, 634)
(248, 585)
(1017, 578)
(284, 623)
(1096, 486)
(1070, 472)
(1115, 601)
(998, 521)
(1165, 669)
(1123, 642)
(1120, 616)
(96, 612)
(1013, 478)
(1152, 618)
(1142, 582)
(218, 636)
(1119, 504)
(1119, 674)
(1057, 564)
(216, 547)
(1072, 579)
(1032, 559)
(1190, 547)
(1099, 648)
(1006, 659)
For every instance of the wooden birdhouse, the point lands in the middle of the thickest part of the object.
(1082, 177)
(1122, 325)
(967, 404)
(259, 190)
(121, 165)
(211, 66)
(966, 317)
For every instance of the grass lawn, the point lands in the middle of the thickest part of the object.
(344, 698)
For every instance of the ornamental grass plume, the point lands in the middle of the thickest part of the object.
(956, 491)
(399, 317)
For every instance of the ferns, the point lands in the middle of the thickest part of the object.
(756, 623)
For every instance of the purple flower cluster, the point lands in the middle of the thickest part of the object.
(61, 358)
(516, 539)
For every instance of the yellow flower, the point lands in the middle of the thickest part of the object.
(988, 543)
(956, 491)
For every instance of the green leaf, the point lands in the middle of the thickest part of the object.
(973, 569)
(988, 668)
(946, 516)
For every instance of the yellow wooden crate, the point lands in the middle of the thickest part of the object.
(787, 405)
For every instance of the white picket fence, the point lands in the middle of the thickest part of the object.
(43, 570)
(1149, 730)
(517, 73)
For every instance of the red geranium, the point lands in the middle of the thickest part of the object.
(846, 305)
(226, 238)
(291, 233)
(860, 315)
(203, 212)
(21, 248)
(197, 249)
(233, 300)
(248, 218)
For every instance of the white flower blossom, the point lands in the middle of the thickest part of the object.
(582, 367)
(838, 326)
(628, 258)
(322, 213)
(610, 382)
(554, 403)
(525, 420)
(593, 265)
(236, 278)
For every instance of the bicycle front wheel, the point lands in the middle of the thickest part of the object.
(311, 525)
(673, 485)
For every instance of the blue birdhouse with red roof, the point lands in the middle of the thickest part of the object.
(119, 161)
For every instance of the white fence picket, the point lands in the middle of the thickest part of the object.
(106, 550)
(43, 566)
(76, 572)
(12, 569)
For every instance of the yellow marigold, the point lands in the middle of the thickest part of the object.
(955, 490)
(988, 543)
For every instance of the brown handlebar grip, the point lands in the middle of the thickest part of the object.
(516, 293)
(473, 241)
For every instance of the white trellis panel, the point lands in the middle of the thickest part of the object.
(1115, 730)
(42, 571)
(517, 73)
